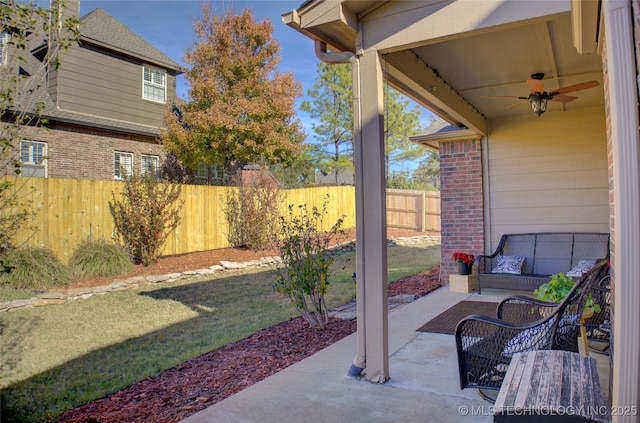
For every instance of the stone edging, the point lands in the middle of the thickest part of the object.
(69, 295)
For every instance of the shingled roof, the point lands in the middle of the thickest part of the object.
(101, 28)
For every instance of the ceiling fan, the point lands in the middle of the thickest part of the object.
(538, 97)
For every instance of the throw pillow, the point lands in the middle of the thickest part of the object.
(528, 339)
(582, 267)
(509, 264)
(568, 323)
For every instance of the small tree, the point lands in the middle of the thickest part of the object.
(145, 217)
(252, 210)
(21, 26)
(304, 273)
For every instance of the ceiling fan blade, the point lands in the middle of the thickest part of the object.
(563, 98)
(503, 96)
(535, 85)
(577, 87)
(516, 104)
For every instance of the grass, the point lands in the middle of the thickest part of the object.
(58, 357)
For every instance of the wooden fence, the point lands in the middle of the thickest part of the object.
(71, 210)
(417, 210)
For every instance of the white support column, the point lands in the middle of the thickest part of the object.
(371, 226)
(623, 103)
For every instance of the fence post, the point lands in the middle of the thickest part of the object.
(420, 212)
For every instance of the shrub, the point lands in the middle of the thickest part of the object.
(34, 268)
(145, 217)
(99, 258)
(252, 212)
(305, 270)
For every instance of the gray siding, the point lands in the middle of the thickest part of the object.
(104, 84)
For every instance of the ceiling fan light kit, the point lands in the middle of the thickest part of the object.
(538, 97)
(538, 104)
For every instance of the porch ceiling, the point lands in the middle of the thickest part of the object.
(451, 74)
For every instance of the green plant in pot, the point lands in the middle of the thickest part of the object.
(558, 287)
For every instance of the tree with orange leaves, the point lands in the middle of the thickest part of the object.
(240, 108)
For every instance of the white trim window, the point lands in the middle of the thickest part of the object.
(154, 84)
(4, 49)
(122, 165)
(150, 166)
(33, 157)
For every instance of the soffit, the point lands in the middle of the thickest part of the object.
(494, 60)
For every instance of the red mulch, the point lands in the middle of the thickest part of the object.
(205, 380)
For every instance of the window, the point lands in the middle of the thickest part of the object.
(150, 166)
(33, 156)
(209, 175)
(123, 165)
(4, 49)
(217, 173)
(154, 84)
(202, 174)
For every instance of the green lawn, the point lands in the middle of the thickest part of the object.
(57, 357)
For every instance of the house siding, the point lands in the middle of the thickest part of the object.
(100, 83)
(548, 174)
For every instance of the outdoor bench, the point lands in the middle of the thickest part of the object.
(551, 386)
(544, 253)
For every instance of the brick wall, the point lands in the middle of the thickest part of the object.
(76, 152)
(461, 201)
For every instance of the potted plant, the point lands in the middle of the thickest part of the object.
(558, 287)
(464, 262)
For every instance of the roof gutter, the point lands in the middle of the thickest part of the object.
(331, 58)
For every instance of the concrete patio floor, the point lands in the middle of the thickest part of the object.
(424, 384)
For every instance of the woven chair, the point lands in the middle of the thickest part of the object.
(599, 325)
(485, 344)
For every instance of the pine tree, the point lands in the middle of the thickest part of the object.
(331, 107)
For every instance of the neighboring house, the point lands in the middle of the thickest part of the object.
(335, 177)
(104, 104)
(506, 170)
(258, 176)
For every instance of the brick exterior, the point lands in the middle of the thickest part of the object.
(461, 193)
(78, 152)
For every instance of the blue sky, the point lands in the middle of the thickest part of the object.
(168, 25)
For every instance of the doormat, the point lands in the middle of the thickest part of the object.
(447, 321)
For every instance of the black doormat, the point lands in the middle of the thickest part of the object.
(447, 321)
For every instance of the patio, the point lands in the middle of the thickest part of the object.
(423, 386)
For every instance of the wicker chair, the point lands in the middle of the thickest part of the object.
(485, 345)
(599, 326)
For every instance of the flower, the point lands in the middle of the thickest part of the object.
(460, 257)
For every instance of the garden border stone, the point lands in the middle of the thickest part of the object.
(63, 296)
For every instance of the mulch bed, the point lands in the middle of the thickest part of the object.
(205, 380)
